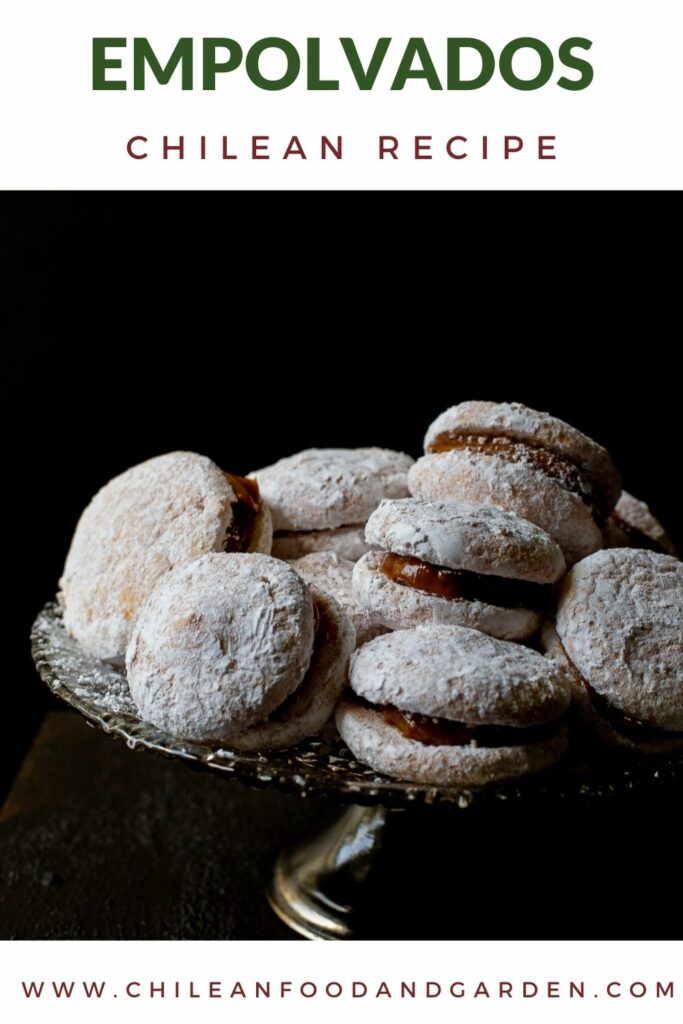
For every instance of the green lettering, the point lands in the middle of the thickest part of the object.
(212, 67)
(293, 63)
(100, 63)
(488, 63)
(505, 63)
(143, 55)
(416, 48)
(576, 63)
(365, 79)
(315, 82)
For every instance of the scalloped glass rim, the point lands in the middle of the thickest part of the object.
(322, 766)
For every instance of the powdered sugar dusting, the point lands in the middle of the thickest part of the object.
(460, 674)
(346, 541)
(517, 421)
(335, 575)
(95, 681)
(320, 764)
(155, 516)
(620, 618)
(516, 487)
(220, 644)
(383, 747)
(465, 535)
(320, 488)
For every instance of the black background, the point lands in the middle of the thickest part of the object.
(137, 325)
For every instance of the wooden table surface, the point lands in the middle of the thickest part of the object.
(98, 841)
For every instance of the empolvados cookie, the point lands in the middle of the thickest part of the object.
(525, 461)
(333, 574)
(228, 643)
(321, 498)
(594, 720)
(153, 517)
(346, 541)
(456, 563)
(620, 626)
(312, 704)
(632, 525)
(444, 705)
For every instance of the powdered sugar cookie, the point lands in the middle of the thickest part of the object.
(334, 575)
(226, 648)
(321, 498)
(312, 704)
(443, 705)
(348, 542)
(620, 627)
(525, 461)
(456, 563)
(157, 515)
(632, 525)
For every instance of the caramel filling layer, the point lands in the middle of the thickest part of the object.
(439, 732)
(456, 584)
(245, 511)
(549, 463)
(632, 728)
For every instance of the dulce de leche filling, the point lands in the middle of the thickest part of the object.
(454, 584)
(440, 732)
(245, 510)
(547, 462)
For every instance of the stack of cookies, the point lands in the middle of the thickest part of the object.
(469, 615)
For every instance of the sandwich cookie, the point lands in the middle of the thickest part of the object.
(525, 461)
(155, 516)
(445, 706)
(619, 629)
(334, 575)
(320, 499)
(456, 563)
(236, 648)
(632, 525)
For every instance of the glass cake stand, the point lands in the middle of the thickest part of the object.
(319, 885)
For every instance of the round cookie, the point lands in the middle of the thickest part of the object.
(307, 710)
(321, 490)
(333, 574)
(620, 623)
(587, 718)
(466, 476)
(632, 525)
(399, 607)
(456, 563)
(519, 423)
(380, 745)
(525, 461)
(443, 705)
(219, 644)
(346, 542)
(157, 515)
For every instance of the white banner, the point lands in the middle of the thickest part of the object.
(264, 982)
(359, 94)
